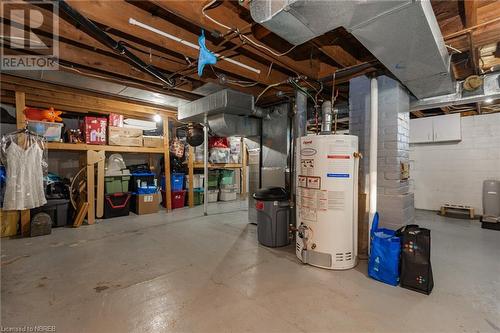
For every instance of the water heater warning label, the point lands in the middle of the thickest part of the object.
(314, 182)
(339, 157)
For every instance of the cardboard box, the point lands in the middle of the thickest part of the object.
(121, 136)
(115, 120)
(145, 203)
(95, 130)
(153, 141)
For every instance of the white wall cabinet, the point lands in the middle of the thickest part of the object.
(436, 129)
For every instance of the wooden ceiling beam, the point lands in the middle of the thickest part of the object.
(418, 114)
(115, 15)
(192, 12)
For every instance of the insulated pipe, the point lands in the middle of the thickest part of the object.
(373, 153)
(205, 167)
(104, 38)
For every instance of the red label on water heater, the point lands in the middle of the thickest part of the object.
(339, 157)
(259, 205)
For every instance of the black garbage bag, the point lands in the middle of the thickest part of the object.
(416, 269)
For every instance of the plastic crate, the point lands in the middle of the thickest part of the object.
(117, 204)
(141, 179)
(177, 198)
(227, 177)
(177, 181)
(116, 184)
(51, 131)
(197, 180)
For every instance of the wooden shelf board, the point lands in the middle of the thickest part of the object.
(85, 147)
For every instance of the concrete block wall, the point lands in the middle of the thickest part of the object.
(453, 172)
(395, 201)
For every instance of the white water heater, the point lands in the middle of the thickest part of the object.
(327, 200)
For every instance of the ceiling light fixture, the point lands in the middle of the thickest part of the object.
(157, 118)
(488, 100)
(191, 45)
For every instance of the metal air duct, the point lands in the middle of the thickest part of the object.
(402, 34)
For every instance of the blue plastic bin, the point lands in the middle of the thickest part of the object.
(177, 182)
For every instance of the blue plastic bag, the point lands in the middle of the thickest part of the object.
(385, 249)
(205, 57)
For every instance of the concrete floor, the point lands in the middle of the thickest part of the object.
(183, 272)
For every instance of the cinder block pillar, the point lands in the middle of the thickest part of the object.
(395, 202)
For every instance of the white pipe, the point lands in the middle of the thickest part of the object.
(205, 167)
(191, 45)
(373, 153)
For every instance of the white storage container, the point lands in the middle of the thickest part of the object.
(227, 195)
(213, 195)
(198, 181)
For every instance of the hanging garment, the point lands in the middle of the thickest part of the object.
(24, 187)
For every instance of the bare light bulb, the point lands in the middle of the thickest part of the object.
(488, 100)
(157, 118)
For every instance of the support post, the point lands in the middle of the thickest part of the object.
(373, 152)
(21, 123)
(205, 167)
(191, 176)
(166, 164)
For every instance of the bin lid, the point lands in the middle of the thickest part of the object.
(271, 194)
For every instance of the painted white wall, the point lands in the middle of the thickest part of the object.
(454, 172)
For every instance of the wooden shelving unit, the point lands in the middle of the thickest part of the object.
(118, 149)
(36, 94)
(192, 165)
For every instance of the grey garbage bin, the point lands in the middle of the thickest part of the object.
(273, 215)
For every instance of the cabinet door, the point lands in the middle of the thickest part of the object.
(421, 130)
(447, 128)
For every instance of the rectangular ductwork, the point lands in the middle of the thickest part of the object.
(225, 101)
(402, 34)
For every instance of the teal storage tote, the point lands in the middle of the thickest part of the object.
(116, 184)
(227, 177)
(198, 194)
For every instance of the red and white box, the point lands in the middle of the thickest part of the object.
(115, 120)
(95, 130)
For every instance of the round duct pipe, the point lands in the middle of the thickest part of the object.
(326, 117)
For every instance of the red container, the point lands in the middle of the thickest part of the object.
(95, 130)
(177, 197)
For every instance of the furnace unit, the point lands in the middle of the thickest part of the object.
(327, 200)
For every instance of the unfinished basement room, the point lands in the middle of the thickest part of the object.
(257, 166)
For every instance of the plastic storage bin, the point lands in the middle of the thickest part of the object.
(177, 181)
(57, 210)
(213, 178)
(198, 196)
(141, 179)
(213, 195)
(51, 131)
(117, 204)
(178, 198)
(116, 184)
(227, 177)
(197, 181)
(227, 195)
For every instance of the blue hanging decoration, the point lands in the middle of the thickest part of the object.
(205, 57)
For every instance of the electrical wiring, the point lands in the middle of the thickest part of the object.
(251, 41)
(269, 87)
